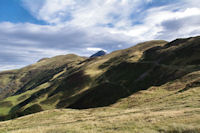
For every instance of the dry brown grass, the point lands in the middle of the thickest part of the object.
(169, 108)
(151, 111)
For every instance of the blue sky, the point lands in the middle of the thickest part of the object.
(33, 29)
(14, 11)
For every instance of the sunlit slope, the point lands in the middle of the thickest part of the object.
(157, 66)
(18, 81)
(163, 109)
(81, 83)
(60, 81)
(24, 82)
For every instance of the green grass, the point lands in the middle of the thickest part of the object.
(4, 110)
(14, 100)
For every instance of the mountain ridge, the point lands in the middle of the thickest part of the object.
(71, 81)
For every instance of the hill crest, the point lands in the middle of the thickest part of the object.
(71, 81)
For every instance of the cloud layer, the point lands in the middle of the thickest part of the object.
(86, 26)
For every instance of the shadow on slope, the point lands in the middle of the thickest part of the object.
(73, 83)
(159, 65)
(121, 79)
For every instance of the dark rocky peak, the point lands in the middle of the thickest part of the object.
(99, 53)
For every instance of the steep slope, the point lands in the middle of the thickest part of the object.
(157, 66)
(21, 84)
(19, 81)
(102, 81)
(72, 79)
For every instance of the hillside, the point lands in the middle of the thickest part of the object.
(155, 110)
(151, 87)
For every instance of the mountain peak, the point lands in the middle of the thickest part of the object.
(99, 53)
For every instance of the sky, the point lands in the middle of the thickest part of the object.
(34, 29)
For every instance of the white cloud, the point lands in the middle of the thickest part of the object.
(83, 12)
(117, 13)
(95, 49)
(99, 13)
(152, 25)
(86, 26)
(9, 67)
(23, 44)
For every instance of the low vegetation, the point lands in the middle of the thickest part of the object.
(151, 87)
(150, 111)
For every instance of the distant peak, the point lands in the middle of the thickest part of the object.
(99, 53)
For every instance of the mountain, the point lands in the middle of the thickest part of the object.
(99, 53)
(154, 83)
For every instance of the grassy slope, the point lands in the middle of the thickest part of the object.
(159, 93)
(18, 81)
(32, 79)
(149, 111)
(61, 87)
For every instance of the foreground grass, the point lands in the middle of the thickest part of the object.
(151, 111)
